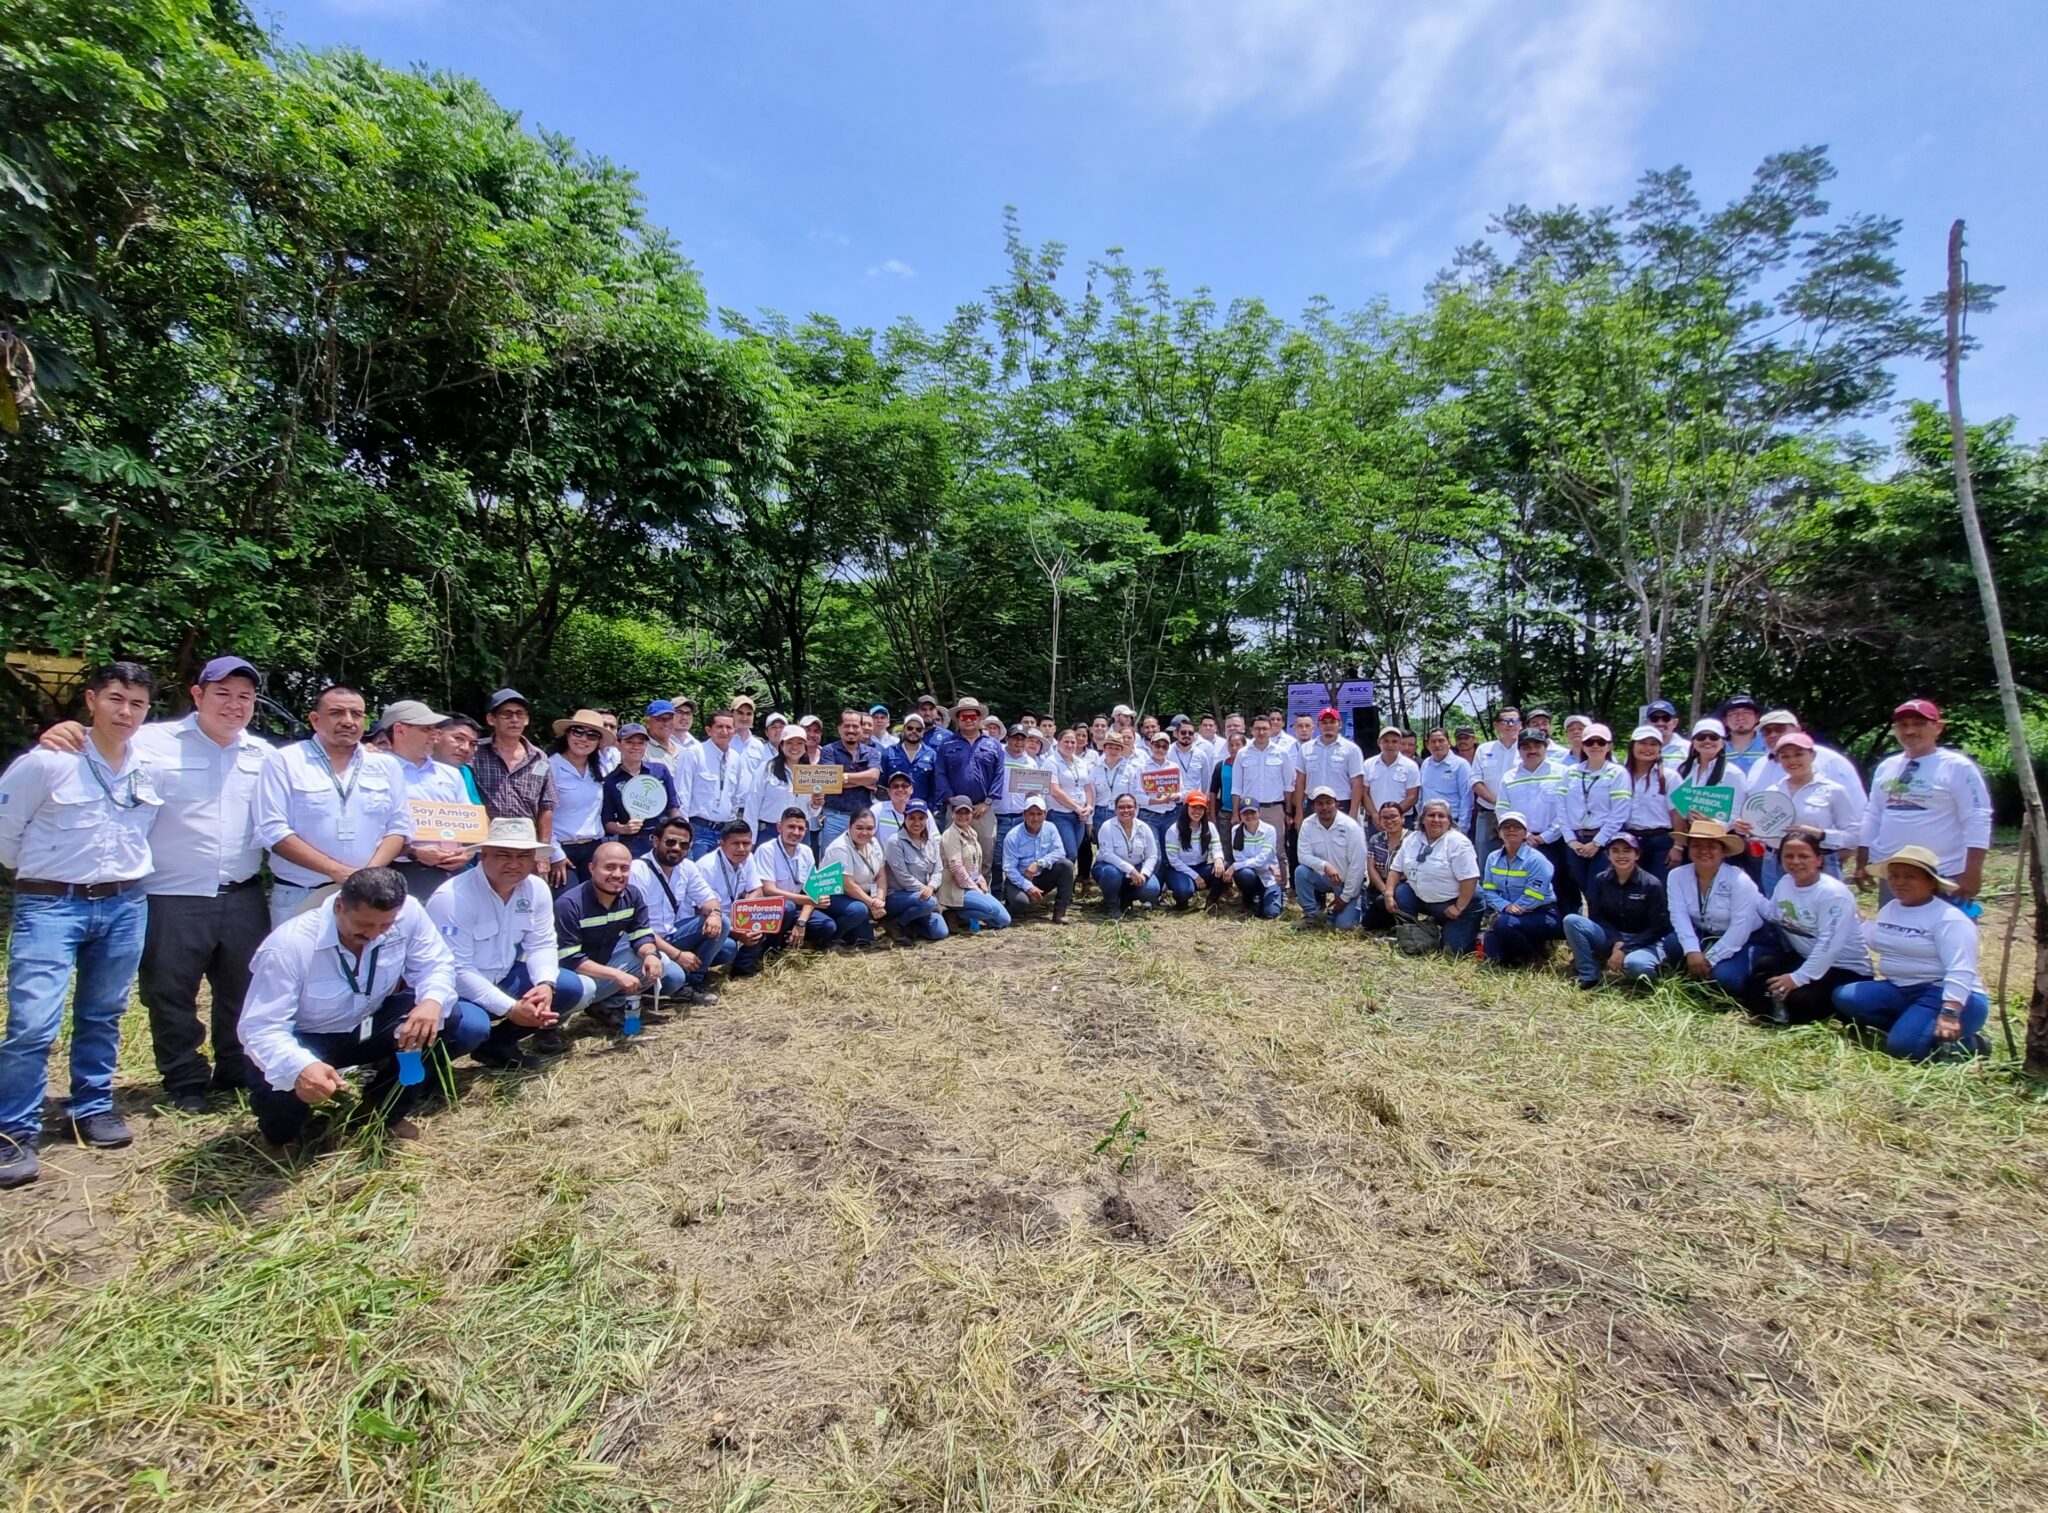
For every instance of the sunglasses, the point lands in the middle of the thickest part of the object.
(1704, 736)
(1596, 740)
(586, 732)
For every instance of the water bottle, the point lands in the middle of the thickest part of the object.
(412, 1069)
(632, 1022)
(1973, 910)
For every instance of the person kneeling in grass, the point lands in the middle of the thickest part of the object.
(1194, 854)
(1822, 936)
(1256, 863)
(1625, 911)
(1715, 911)
(1517, 885)
(1127, 859)
(1036, 871)
(1435, 874)
(324, 995)
(1931, 999)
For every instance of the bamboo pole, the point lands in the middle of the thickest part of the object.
(2012, 921)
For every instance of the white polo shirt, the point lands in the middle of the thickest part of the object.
(205, 835)
(1332, 765)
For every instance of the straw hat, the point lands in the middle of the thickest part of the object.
(589, 719)
(1714, 830)
(1925, 860)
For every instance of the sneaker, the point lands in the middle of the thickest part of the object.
(610, 1016)
(190, 1101)
(1114, 913)
(18, 1163)
(1587, 987)
(107, 1132)
(548, 1043)
(702, 998)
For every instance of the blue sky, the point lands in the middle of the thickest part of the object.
(855, 157)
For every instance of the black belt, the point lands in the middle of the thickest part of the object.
(74, 890)
(247, 882)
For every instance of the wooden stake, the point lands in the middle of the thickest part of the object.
(2012, 922)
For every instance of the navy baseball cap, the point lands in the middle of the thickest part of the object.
(227, 667)
(506, 696)
(628, 731)
(1662, 706)
(917, 806)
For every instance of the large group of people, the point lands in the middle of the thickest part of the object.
(635, 864)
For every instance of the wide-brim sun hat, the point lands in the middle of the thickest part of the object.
(589, 719)
(1714, 830)
(1925, 860)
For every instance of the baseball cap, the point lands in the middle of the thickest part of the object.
(1740, 701)
(744, 701)
(1577, 719)
(1323, 792)
(1328, 712)
(1598, 732)
(1034, 802)
(917, 806)
(925, 698)
(1532, 737)
(1198, 801)
(810, 720)
(1927, 710)
(630, 729)
(1177, 721)
(227, 667)
(898, 777)
(1123, 709)
(1780, 717)
(1798, 738)
(1661, 706)
(1626, 839)
(409, 712)
(878, 709)
(506, 696)
(1645, 733)
(958, 802)
(1710, 726)
(658, 707)
(1539, 714)
(1511, 817)
(776, 717)
(1018, 732)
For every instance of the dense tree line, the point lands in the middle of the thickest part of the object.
(346, 369)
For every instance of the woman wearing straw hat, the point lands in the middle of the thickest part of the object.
(579, 789)
(1715, 910)
(1931, 999)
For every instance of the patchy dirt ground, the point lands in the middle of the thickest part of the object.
(1191, 1212)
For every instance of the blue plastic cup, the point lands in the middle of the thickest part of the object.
(412, 1069)
(633, 1018)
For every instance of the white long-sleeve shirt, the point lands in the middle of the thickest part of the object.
(1537, 794)
(344, 814)
(1649, 800)
(1820, 922)
(1262, 775)
(1340, 844)
(579, 800)
(1827, 763)
(1490, 764)
(297, 985)
(1259, 851)
(1136, 848)
(205, 835)
(1930, 942)
(1938, 801)
(1828, 807)
(1727, 916)
(768, 796)
(669, 895)
(1595, 799)
(67, 817)
(1204, 851)
(488, 935)
(714, 783)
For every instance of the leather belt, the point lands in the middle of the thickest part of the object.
(75, 890)
(247, 882)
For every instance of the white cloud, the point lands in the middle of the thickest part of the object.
(895, 267)
(1544, 98)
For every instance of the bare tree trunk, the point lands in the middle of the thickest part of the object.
(2036, 1063)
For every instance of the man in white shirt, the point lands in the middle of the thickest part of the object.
(1490, 767)
(1331, 761)
(1391, 778)
(728, 871)
(326, 807)
(685, 915)
(1329, 882)
(498, 920)
(415, 728)
(74, 827)
(1196, 761)
(1263, 775)
(324, 995)
(1928, 795)
(747, 746)
(207, 915)
(716, 786)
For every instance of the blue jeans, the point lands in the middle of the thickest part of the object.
(1184, 885)
(1068, 824)
(1118, 890)
(713, 951)
(280, 1113)
(1906, 1013)
(100, 940)
(850, 918)
(1484, 835)
(832, 827)
(1518, 938)
(703, 836)
(590, 992)
(983, 909)
(1160, 823)
(1459, 933)
(1260, 897)
(503, 1032)
(1591, 944)
(1730, 975)
(1005, 823)
(1315, 893)
(919, 917)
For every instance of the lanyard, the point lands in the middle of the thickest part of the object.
(106, 788)
(348, 970)
(782, 860)
(355, 765)
(732, 877)
(655, 867)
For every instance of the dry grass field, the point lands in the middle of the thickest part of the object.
(1189, 1212)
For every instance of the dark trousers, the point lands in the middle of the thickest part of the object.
(1055, 880)
(194, 940)
(1518, 938)
(282, 1116)
(1816, 1000)
(1563, 876)
(421, 882)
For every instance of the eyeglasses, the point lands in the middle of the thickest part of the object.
(1504, 720)
(1596, 740)
(1663, 719)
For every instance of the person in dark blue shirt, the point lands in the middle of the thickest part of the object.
(638, 834)
(972, 767)
(1625, 911)
(917, 758)
(862, 759)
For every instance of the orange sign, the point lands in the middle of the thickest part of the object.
(438, 823)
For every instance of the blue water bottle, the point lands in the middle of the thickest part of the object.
(632, 1024)
(412, 1069)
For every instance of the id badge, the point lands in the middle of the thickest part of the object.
(345, 828)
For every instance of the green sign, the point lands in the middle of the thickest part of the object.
(826, 882)
(1700, 801)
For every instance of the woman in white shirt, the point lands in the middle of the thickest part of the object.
(1257, 864)
(859, 855)
(1931, 999)
(579, 789)
(1815, 918)
(1194, 854)
(1824, 811)
(1715, 909)
(1706, 765)
(772, 796)
(1649, 800)
(1436, 874)
(1073, 795)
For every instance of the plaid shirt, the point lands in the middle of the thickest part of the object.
(523, 792)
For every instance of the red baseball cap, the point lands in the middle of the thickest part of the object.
(1330, 713)
(1922, 707)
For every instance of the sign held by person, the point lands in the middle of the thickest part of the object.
(446, 824)
(815, 778)
(826, 882)
(763, 914)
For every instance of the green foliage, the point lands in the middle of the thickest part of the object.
(620, 663)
